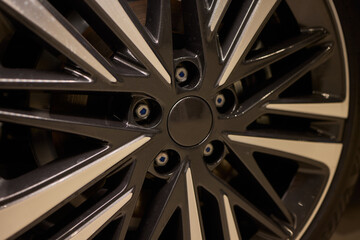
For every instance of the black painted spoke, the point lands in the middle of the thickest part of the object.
(95, 219)
(172, 197)
(25, 79)
(116, 16)
(252, 107)
(95, 128)
(217, 12)
(164, 207)
(159, 23)
(144, 85)
(57, 184)
(322, 155)
(162, 119)
(249, 27)
(272, 54)
(211, 20)
(245, 156)
(111, 206)
(218, 186)
(273, 90)
(142, 161)
(49, 24)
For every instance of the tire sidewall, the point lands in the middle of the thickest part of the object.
(324, 223)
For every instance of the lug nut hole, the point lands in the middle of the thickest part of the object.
(213, 152)
(187, 75)
(166, 162)
(225, 101)
(146, 112)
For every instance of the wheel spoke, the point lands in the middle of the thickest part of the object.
(218, 186)
(77, 125)
(87, 226)
(28, 79)
(255, 171)
(143, 158)
(165, 206)
(194, 217)
(17, 214)
(159, 14)
(217, 14)
(251, 107)
(230, 219)
(21, 79)
(49, 24)
(109, 120)
(272, 91)
(276, 53)
(254, 21)
(324, 153)
(334, 109)
(115, 16)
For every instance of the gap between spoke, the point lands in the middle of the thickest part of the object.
(278, 52)
(18, 214)
(254, 22)
(113, 13)
(252, 166)
(235, 199)
(265, 97)
(325, 153)
(217, 15)
(86, 228)
(43, 19)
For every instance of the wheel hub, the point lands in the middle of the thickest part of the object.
(190, 121)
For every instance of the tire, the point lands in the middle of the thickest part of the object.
(157, 119)
(345, 180)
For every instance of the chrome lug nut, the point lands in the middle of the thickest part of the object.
(220, 100)
(142, 111)
(162, 159)
(181, 74)
(208, 150)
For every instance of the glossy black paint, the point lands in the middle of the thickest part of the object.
(188, 119)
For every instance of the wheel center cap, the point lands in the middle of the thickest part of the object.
(190, 121)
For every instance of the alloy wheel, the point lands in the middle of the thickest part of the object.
(158, 119)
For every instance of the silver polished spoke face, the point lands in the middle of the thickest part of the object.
(113, 12)
(194, 220)
(230, 219)
(139, 119)
(255, 18)
(50, 27)
(46, 198)
(217, 14)
(86, 227)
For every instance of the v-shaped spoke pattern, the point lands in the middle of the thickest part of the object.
(85, 228)
(184, 114)
(234, 199)
(42, 18)
(48, 197)
(254, 169)
(217, 14)
(255, 19)
(113, 13)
